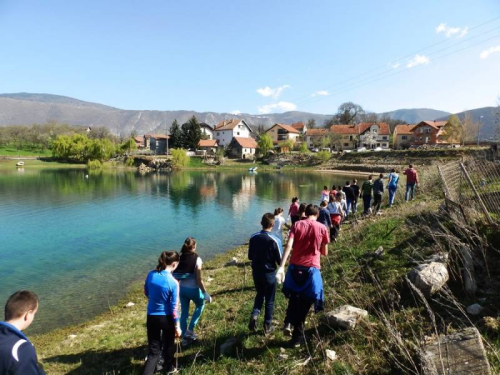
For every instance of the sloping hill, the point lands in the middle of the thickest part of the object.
(486, 116)
(415, 115)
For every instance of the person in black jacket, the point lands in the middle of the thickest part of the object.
(265, 251)
(349, 197)
(17, 354)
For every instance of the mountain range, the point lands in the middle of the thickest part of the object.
(29, 108)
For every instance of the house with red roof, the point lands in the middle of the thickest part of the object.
(156, 143)
(402, 137)
(226, 130)
(208, 145)
(243, 148)
(314, 136)
(431, 133)
(344, 137)
(282, 132)
(373, 135)
(139, 142)
(300, 126)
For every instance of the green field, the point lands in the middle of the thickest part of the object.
(13, 151)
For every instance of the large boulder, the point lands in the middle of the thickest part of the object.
(346, 316)
(429, 278)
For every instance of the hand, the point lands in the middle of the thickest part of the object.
(280, 275)
(207, 297)
(178, 331)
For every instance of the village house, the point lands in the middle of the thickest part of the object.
(402, 137)
(207, 131)
(373, 135)
(300, 126)
(156, 143)
(314, 136)
(243, 148)
(139, 142)
(344, 137)
(226, 130)
(281, 132)
(430, 133)
(209, 146)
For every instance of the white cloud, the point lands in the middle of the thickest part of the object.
(489, 51)
(279, 107)
(396, 65)
(236, 112)
(450, 31)
(320, 93)
(275, 93)
(418, 60)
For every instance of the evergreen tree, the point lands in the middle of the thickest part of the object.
(191, 134)
(175, 140)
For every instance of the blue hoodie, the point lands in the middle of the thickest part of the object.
(17, 354)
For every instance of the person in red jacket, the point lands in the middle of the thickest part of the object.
(411, 182)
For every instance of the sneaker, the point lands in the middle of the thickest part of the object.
(268, 329)
(190, 335)
(252, 325)
(287, 331)
(297, 341)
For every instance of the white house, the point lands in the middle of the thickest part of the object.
(373, 135)
(207, 130)
(226, 130)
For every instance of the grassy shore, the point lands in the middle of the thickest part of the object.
(13, 152)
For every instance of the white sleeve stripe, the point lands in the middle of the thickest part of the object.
(15, 349)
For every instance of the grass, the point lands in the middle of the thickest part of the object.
(13, 151)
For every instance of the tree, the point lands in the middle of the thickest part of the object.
(191, 133)
(470, 129)
(287, 144)
(175, 140)
(260, 129)
(180, 158)
(325, 142)
(329, 123)
(265, 144)
(453, 130)
(349, 113)
(303, 148)
(128, 145)
(335, 141)
(311, 123)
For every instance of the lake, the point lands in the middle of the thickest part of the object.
(80, 242)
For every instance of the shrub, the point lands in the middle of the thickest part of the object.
(179, 158)
(303, 148)
(129, 162)
(324, 156)
(93, 164)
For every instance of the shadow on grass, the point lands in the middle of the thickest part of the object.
(104, 362)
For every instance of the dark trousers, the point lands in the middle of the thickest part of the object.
(265, 285)
(366, 203)
(377, 201)
(334, 231)
(296, 313)
(161, 338)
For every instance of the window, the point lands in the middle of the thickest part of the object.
(346, 144)
(350, 137)
(378, 144)
(384, 138)
(238, 133)
(421, 130)
(428, 130)
(404, 137)
(384, 144)
(218, 133)
(426, 139)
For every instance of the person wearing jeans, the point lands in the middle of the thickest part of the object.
(264, 250)
(366, 191)
(411, 182)
(349, 196)
(392, 186)
(378, 191)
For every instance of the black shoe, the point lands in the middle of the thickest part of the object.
(268, 329)
(252, 325)
(172, 370)
(297, 341)
(287, 330)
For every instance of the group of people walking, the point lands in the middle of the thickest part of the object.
(178, 277)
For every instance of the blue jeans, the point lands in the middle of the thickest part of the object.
(410, 190)
(367, 199)
(349, 204)
(265, 285)
(392, 193)
(186, 296)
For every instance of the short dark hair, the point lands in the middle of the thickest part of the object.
(393, 170)
(267, 220)
(167, 258)
(381, 175)
(355, 181)
(20, 303)
(411, 166)
(370, 177)
(312, 210)
(347, 183)
(323, 204)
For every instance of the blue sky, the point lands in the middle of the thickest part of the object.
(254, 56)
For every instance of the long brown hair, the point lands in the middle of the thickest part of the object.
(188, 246)
(277, 211)
(166, 259)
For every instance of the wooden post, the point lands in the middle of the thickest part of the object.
(481, 203)
(446, 191)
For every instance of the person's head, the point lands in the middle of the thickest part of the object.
(21, 308)
(267, 221)
(302, 208)
(323, 204)
(354, 181)
(347, 183)
(411, 166)
(381, 175)
(312, 210)
(189, 245)
(168, 259)
(333, 187)
(370, 177)
(295, 199)
(278, 211)
(325, 187)
(332, 198)
(393, 170)
(339, 187)
(338, 197)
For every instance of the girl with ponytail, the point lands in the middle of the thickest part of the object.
(188, 274)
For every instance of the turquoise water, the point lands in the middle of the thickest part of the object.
(80, 242)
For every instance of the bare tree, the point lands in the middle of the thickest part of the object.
(470, 129)
(349, 113)
(311, 123)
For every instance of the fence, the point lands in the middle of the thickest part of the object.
(473, 186)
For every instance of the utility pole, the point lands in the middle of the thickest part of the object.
(167, 139)
(478, 128)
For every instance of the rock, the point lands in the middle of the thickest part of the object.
(331, 355)
(474, 309)
(429, 278)
(346, 316)
(72, 336)
(229, 347)
(232, 262)
(282, 357)
(438, 258)
(379, 252)
(461, 353)
(130, 304)
(210, 279)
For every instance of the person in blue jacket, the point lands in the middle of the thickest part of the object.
(17, 353)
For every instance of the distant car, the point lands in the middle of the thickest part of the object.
(314, 149)
(361, 149)
(378, 149)
(347, 151)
